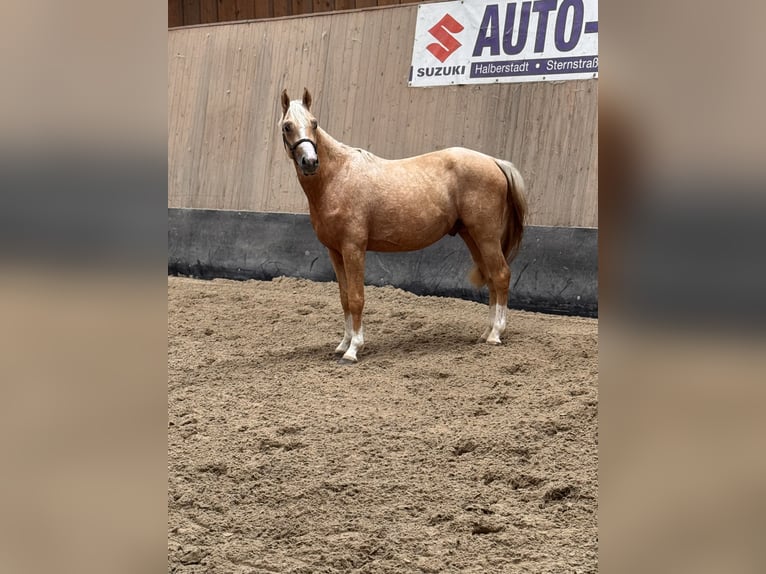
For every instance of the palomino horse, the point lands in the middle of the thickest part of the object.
(360, 202)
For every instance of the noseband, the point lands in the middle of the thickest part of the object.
(292, 148)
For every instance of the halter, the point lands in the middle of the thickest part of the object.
(292, 148)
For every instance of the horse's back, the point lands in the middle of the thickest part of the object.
(453, 155)
(463, 164)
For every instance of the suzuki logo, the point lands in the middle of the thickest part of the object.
(448, 43)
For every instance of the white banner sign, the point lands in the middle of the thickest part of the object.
(484, 41)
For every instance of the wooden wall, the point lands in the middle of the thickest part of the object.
(225, 150)
(194, 12)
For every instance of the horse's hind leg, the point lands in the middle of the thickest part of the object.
(340, 274)
(499, 278)
(479, 262)
(487, 252)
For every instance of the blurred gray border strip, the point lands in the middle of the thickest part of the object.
(556, 270)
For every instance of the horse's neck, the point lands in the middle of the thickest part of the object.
(330, 150)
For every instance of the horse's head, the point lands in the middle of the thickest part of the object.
(299, 132)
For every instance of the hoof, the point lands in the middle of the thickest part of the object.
(342, 348)
(494, 342)
(345, 361)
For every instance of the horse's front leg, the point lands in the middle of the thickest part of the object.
(353, 263)
(340, 275)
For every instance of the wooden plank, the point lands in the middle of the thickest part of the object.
(208, 11)
(263, 105)
(227, 10)
(263, 8)
(332, 113)
(184, 61)
(323, 5)
(282, 8)
(344, 4)
(244, 9)
(220, 133)
(366, 3)
(351, 58)
(303, 7)
(176, 126)
(244, 146)
(366, 112)
(391, 77)
(191, 11)
(175, 13)
(405, 144)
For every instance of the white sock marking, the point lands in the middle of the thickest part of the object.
(357, 344)
(498, 315)
(346, 341)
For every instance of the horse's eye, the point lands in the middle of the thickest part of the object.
(287, 128)
(314, 124)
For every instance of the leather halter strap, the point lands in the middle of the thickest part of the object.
(292, 148)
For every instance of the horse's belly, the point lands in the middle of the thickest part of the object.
(407, 235)
(391, 246)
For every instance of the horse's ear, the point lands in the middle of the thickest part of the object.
(307, 98)
(285, 101)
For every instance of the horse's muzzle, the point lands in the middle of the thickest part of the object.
(309, 166)
(304, 153)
